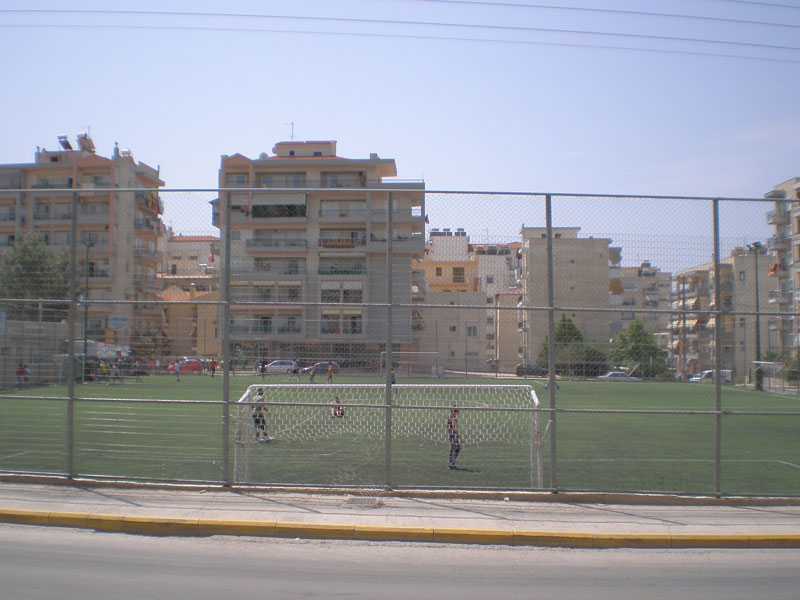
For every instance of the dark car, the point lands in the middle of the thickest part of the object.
(322, 368)
(530, 371)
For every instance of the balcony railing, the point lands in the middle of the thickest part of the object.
(274, 243)
(342, 243)
(335, 270)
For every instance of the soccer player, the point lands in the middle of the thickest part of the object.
(330, 372)
(454, 436)
(259, 418)
(337, 411)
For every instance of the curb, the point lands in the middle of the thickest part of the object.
(167, 526)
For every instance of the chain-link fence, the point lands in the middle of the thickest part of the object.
(659, 334)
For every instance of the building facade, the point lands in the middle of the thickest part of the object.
(466, 277)
(586, 272)
(309, 251)
(744, 286)
(785, 269)
(118, 231)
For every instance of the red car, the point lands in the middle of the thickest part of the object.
(187, 365)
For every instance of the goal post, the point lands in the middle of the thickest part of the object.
(329, 415)
(418, 364)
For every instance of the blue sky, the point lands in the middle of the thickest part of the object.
(528, 110)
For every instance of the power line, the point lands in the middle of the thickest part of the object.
(412, 36)
(400, 22)
(614, 11)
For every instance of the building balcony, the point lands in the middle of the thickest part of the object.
(52, 185)
(258, 331)
(276, 244)
(284, 272)
(412, 243)
(147, 254)
(352, 215)
(147, 225)
(401, 215)
(779, 297)
(342, 243)
(336, 270)
(777, 242)
(57, 216)
(147, 282)
(775, 217)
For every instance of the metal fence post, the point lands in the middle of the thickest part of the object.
(551, 332)
(389, 337)
(717, 357)
(73, 249)
(227, 472)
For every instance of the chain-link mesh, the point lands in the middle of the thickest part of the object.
(169, 304)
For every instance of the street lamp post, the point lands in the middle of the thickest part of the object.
(755, 248)
(89, 243)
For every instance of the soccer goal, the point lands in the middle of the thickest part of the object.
(321, 416)
(418, 364)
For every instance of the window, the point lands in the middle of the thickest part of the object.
(458, 275)
(472, 331)
(453, 328)
(741, 275)
(173, 269)
(489, 279)
(193, 257)
(489, 300)
(438, 271)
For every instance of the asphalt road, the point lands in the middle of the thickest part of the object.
(68, 564)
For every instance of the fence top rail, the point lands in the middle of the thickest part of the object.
(382, 188)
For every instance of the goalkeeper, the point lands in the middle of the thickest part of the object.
(259, 418)
(454, 436)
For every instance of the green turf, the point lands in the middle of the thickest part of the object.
(609, 451)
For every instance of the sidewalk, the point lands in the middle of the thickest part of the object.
(433, 518)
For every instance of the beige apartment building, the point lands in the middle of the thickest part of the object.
(642, 289)
(743, 336)
(118, 231)
(586, 271)
(466, 277)
(785, 268)
(190, 262)
(309, 252)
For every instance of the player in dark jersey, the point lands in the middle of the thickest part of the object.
(454, 436)
(260, 419)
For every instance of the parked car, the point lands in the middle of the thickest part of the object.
(530, 370)
(279, 366)
(186, 365)
(322, 368)
(617, 376)
(727, 376)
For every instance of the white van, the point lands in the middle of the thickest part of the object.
(727, 376)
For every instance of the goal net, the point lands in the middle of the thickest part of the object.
(319, 416)
(418, 364)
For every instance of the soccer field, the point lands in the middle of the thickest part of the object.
(652, 437)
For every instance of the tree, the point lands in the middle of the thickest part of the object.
(569, 350)
(635, 347)
(31, 276)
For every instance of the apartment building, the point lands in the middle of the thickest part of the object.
(118, 231)
(509, 334)
(639, 290)
(785, 269)
(467, 277)
(745, 286)
(190, 262)
(586, 272)
(309, 251)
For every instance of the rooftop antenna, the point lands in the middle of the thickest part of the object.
(291, 137)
